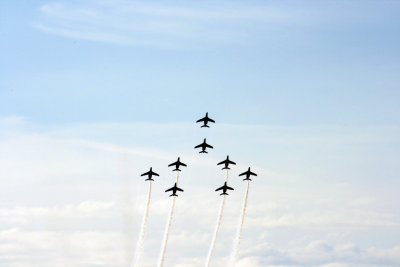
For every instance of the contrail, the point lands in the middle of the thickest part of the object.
(166, 233)
(139, 245)
(236, 243)
(217, 225)
(165, 240)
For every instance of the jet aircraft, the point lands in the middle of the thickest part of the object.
(174, 189)
(226, 162)
(224, 188)
(205, 120)
(177, 164)
(248, 173)
(150, 174)
(203, 146)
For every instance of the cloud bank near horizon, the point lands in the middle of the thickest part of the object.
(72, 195)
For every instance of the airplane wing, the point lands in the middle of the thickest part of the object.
(243, 174)
(183, 164)
(198, 146)
(252, 173)
(155, 174)
(230, 188)
(146, 173)
(202, 119)
(222, 187)
(231, 162)
(222, 162)
(172, 164)
(170, 189)
(178, 189)
(207, 145)
(211, 120)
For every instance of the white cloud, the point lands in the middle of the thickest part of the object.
(26, 214)
(75, 194)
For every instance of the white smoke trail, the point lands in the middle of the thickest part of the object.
(214, 238)
(236, 243)
(139, 245)
(177, 177)
(166, 234)
(169, 221)
(218, 224)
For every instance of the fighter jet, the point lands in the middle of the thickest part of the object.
(224, 188)
(226, 162)
(177, 164)
(205, 120)
(203, 146)
(174, 189)
(248, 173)
(150, 174)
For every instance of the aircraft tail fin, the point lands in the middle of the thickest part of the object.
(203, 151)
(174, 195)
(226, 168)
(176, 169)
(223, 194)
(247, 179)
(205, 126)
(149, 179)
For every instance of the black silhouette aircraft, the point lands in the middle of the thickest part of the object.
(205, 120)
(177, 164)
(150, 174)
(203, 146)
(174, 189)
(224, 188)
(248, 173)
(226, 162)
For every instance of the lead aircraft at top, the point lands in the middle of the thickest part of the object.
(205, 120)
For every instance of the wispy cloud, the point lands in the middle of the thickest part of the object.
(151, 23)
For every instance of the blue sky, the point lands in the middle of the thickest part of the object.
(266, 62)
(93, 93)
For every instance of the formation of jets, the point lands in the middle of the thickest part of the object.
(203, 147)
